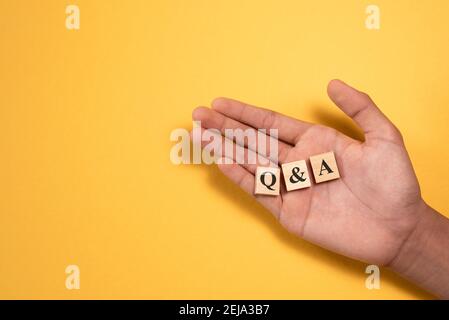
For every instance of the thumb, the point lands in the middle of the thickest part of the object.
(363, 111)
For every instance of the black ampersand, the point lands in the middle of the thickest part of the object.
(299, 178)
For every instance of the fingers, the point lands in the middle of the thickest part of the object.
(255, 140)
(362, 110)
(245, 180)
(241, 174)
(231, 152)
(289, 129)
(238, 175)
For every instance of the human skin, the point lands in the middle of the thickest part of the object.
(373, 213)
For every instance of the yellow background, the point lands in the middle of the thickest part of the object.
(85, 119)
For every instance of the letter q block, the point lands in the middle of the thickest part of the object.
(267, 181)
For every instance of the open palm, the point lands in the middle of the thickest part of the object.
(370, 211)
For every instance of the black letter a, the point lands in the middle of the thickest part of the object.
(325, 166)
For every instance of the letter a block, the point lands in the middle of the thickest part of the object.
(296, 175)
(267, 181)
(324, 167)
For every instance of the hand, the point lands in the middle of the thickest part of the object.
(371, 212)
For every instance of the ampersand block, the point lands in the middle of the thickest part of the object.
(267, 181)
(324, 167)
(296, 175)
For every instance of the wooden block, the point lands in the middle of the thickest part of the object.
(267, 181)
(324, 167)
(296, 175)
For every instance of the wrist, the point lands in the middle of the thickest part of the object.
(424, 257)
(412, 248)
